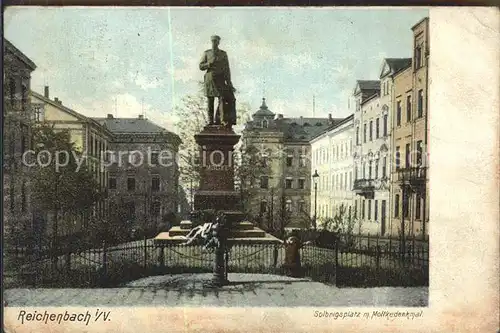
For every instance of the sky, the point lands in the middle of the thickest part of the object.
(128, 61)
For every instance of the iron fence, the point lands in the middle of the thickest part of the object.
(366, 263)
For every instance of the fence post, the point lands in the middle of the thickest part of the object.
(336, 261)
(275, 256)
(145, 251)
(161, 256)
(104, 276)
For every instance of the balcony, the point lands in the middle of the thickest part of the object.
(364, 187)
(412, 176)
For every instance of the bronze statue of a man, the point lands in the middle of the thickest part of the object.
(217, 83)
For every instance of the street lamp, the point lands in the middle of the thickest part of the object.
(315, 180)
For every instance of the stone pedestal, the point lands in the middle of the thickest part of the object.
(216, 189)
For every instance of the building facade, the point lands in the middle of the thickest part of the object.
(371, 158)
(279, 195)
(332, 159)
(409, 185)
(17, 139)
(143, 173)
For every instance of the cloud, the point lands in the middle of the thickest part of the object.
(144, 82)
(301, 61)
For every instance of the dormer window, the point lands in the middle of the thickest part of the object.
(264, 123)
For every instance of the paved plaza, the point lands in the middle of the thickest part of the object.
(190, 290)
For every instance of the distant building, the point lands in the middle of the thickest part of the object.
(88, 136)
(332, 159)
(17, 139)
(279, 197)
(143, 172)
(409, 184)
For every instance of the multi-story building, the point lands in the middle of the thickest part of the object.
(17, 139)
(280, 195)
(332, 161)
(143, 171)
(371, 158)
(410, 136)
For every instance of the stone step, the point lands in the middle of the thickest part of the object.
(255, 233)
(177, 231)
(186, 224)
(243, 226)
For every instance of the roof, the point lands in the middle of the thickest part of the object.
(263, 110)
(130, 125)
(338, 122)
(366, 85)
(10, 47)
(304, 129)
(396, 65)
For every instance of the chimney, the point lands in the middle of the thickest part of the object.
(141, 116)
(280, 115)
(110, 116)
(330, 119)
(301, 120)
(57, 101)
(46, 92)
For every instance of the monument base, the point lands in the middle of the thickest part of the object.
(221, 200)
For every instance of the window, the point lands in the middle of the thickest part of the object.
(24, 96)
(350, 179)
(385, 125)
(357, 136)
(370, 170)
(264, 182)
(398, 114)
(420, 109)
(408, 108)
(112, 183)
(264, 123)
(288, 183)
(155, 184)
(407, 156)
(264, 161)
(376, 170)
(289, 160)
(301, 206)
(301, 183)
(418, 57)
(288, 206)
(131, 184)
(396, 205)
(406, 205)
(155, 208)
(364, 133)
(377, 128)
(419, 153)
(363, 209)
(263, 206)
(341, 180)
(369, 209)
(384, 167)
(376, 211)
(130, 209)
(356, 208)
(418, 206)
(302, 161)
(398, 158)
(371, 130)
(154, 158)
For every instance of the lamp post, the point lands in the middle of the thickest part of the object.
(315, 180)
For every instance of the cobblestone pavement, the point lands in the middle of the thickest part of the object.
(190, 290)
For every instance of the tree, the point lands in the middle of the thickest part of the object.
(192, 117)
(342, 225)
(65, 188)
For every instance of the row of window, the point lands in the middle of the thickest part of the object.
(339, 181)
(368, 130)
(370, 169)
(289, 206)
(131, 183)
(338, 152)
(366, 210)
(404, 205)
(289, 183)
(409, 162)
(130, 209)
(420, 108)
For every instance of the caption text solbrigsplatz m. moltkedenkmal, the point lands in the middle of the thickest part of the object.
(368, 314)
(61, 317)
